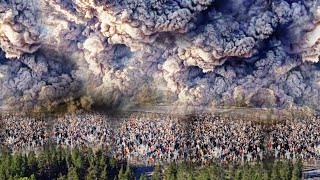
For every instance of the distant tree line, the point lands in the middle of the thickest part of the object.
(63, 164)
(280, 170)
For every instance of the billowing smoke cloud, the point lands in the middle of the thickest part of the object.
(35, 82)
(205, 53)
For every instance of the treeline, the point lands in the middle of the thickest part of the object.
(63, 164)
(280, 170)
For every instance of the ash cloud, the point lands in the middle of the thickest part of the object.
(34, 82)
(207, 53)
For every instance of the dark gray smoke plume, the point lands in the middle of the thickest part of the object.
(197, 53)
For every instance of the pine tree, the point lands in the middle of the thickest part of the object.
(32, 163)
(17, 162)
(275, 172)
(183, 172)
(24, 166)
(102, 166)
(143, 177)
(2, 173)
(32, 177)
(99, 154)
(300, 167)
(89, 160)
(73, 174)
(62, 177)
(285, 171)
(245, 172)
(216, 171)
(16, 177)
(113, 163)
(78, 162)
(54, 164)
(204, 175)
(104, 174)
(121, 173)
(102, 163)
(257, 176)
(295, 172)
(229, 173)
(70, 173)
(74, 155)
(128, 175)
(265, 176)
(171, 172)
(5, 166)
(92, 174)
(238, 175)
(68, 158)
(42, 164)
(156, 173)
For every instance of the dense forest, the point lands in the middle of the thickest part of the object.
(64, 164)
(280, 170)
